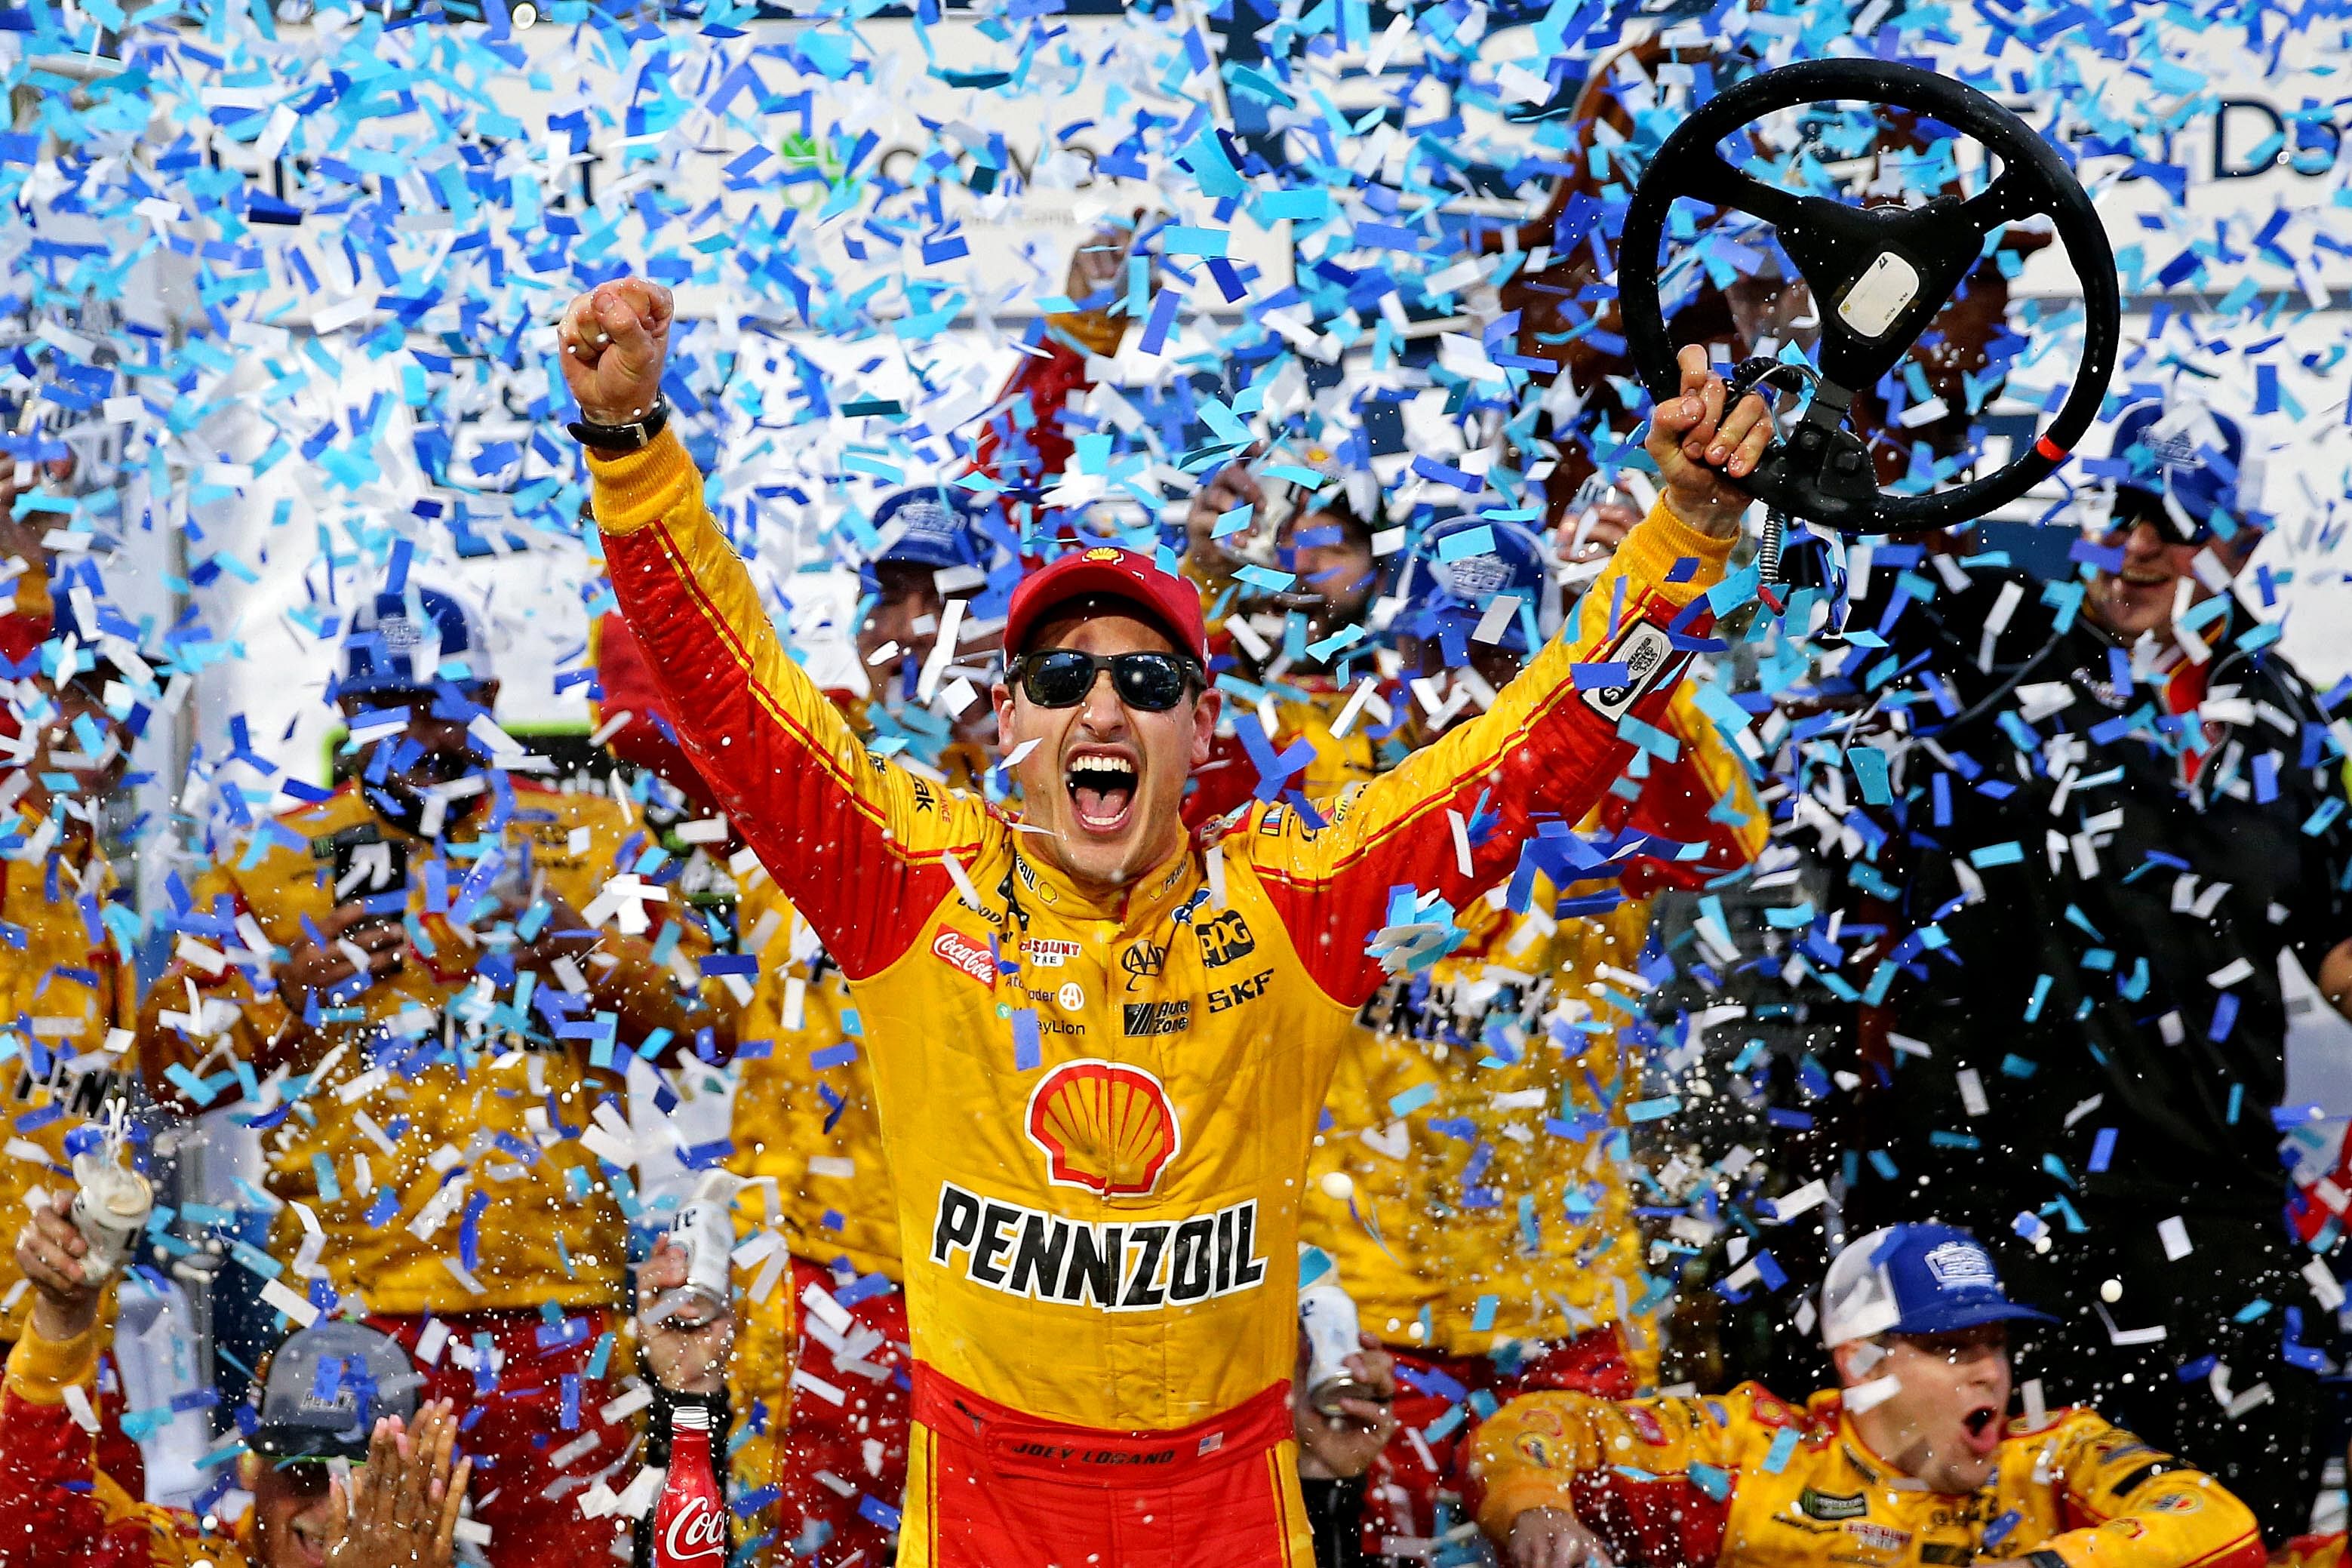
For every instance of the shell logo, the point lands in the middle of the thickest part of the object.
(1102, 552)
(1103, 1126)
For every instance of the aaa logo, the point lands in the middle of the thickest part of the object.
(1103, 1126)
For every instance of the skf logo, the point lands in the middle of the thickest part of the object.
(1103, 1126)
(1226, 998)
(1101, 552)
(958, 950)
(1142, 961)
(1147, 1018)
(1226, 938)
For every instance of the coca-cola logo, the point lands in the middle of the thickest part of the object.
(697, 1534)
(960, 951)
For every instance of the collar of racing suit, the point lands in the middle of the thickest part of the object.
(1037, 881)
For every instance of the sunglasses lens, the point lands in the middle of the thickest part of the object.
(1152, 681)
(1059, 678)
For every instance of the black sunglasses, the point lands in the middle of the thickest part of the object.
(1061, 678)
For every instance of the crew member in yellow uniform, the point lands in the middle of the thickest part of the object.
(68, 995)
(820, 1410)
(1095, 1183)
(1912, 1460)
(1470, 1182)
(420, 983)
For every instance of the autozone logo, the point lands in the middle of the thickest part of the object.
(960, 951)
(1140, 1267)
(1158, 1018)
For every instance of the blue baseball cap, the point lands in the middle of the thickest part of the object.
(403, 642)
(1915, 1280)
(925, 525)
(2184, 461)
(1444, 594)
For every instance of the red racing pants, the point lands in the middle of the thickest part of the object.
(1418, 1471)
(989, 1487)
(530, 1422)
(839, 1465)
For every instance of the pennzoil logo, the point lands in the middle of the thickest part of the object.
(1131, 1266)
(1103, 1126)
(957, 951)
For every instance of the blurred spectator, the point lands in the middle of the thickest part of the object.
(335, 1393)
(421, 986)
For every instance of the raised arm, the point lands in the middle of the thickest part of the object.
(1455, 816)
(852, 841)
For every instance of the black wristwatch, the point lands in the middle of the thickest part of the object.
(615, 439)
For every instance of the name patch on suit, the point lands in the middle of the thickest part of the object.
(1137, 1267)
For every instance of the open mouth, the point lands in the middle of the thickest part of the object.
(1102, 790)
(1983, 1428)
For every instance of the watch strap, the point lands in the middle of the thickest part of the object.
(615, 439)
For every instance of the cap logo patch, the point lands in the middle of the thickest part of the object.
(400, 634)
(1960, 1266)
(1475, 576)
(1100, 553)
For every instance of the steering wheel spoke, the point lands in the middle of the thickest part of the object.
(2009, 197)
(1713, 179)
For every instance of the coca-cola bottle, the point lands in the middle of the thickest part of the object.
(689, 1521)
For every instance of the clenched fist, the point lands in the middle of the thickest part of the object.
(612, 342)
(1700, 447)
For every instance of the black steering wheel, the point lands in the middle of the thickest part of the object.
(1878, 277)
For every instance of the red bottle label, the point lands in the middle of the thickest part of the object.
(690, 1525)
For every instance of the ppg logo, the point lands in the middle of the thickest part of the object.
(1226, 938)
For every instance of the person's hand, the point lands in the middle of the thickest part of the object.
(1098, 263)
(49, 1251)
(612, 342)
(688, 1354)
(1594, 534)
(1697, 447)
(1551, 1538)
(402, 1510)
(311, 969)
(1345, 1445)
(1233, 486)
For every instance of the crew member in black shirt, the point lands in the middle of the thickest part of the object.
(2103, 810)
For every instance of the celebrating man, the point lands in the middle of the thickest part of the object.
(1098, 1184)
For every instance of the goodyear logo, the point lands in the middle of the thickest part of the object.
(1133, 1267)
(1103, 1126)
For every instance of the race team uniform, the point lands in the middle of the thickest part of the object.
(430, 1132)
(1487, 1232)
(822, 1416)
(1099, 1188)
(1745, 1479)
(67, 1002)
(59, 1508)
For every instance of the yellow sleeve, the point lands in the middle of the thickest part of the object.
(2143, 1509)
(1576, 1453)
(854, 841)
(1454, 816)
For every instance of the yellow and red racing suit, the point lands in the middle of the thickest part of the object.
(1691, 1483)
(67, 1005)
(1096, 1108)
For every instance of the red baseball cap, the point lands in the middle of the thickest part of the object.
(1104, 573)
